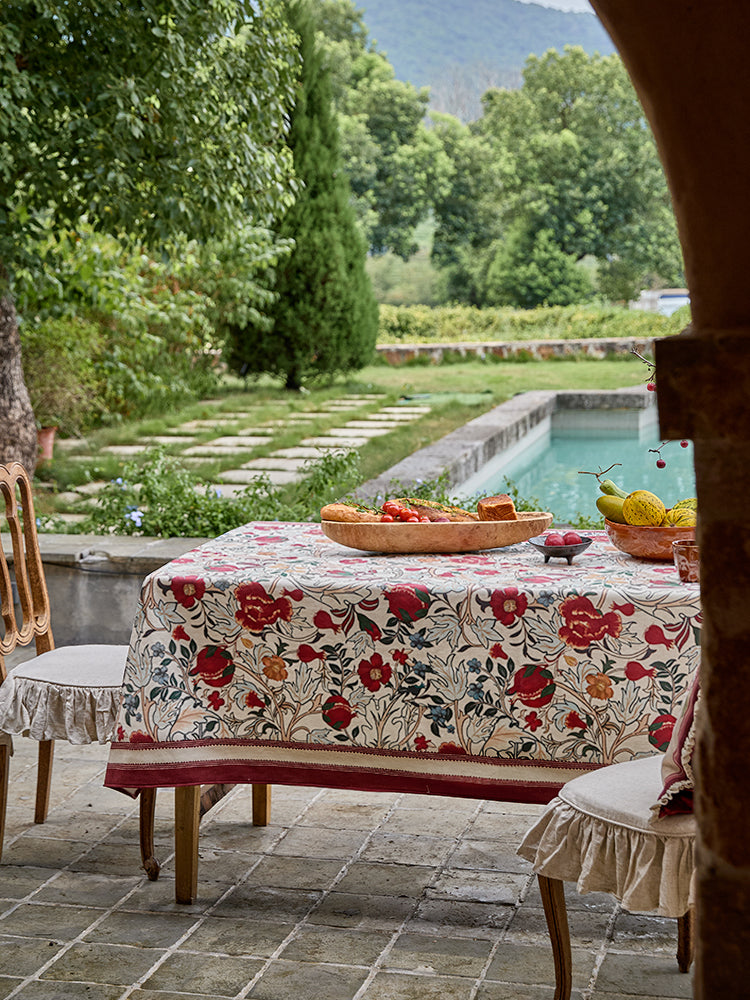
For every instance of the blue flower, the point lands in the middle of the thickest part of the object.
(130, 702)
(476, 691)
(158, 649)
(419, 668)
(546, 598)
(136, 516)
(474, 665)
(160, 675)
(418, 640)
(439, 714)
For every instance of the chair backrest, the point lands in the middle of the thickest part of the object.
(27, 569)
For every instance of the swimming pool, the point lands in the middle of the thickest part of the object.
(546, 463)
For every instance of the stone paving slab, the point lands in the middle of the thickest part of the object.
(302, 452)
(361, 432)
(294, 910)
(170, 439)
(335, 442)
(272, 462)
(275, 476)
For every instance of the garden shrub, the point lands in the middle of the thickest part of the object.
(466, 324)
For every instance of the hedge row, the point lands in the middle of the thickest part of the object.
(466, 324)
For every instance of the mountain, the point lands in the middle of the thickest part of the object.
(461, 49)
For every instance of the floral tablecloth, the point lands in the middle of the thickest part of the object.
(274, 655)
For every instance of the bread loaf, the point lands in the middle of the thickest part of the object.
(347, 512)
(498, 508)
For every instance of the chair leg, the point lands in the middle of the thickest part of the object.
(4, 768)
(186, 823)
(553, 900)
(43, 779)
(685, 939)
(146, 823)
(261, 805)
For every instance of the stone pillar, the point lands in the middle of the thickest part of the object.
(689, 63)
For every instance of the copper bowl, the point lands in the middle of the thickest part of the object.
(647, 541)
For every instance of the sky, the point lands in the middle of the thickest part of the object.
(576, 5)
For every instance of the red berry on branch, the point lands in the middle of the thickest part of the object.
(660, 463)
(651, 386)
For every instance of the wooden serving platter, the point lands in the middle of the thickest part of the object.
(437, 536)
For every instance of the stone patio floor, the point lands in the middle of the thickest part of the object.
(344, 896)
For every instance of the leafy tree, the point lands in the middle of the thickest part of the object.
(145, 119)
(571, 163)
(395, 163)
(325, 316)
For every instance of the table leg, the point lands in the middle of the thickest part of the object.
(186, 826)
(261, 805)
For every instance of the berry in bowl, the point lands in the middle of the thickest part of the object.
(560, 545)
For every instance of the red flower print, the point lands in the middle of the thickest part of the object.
(624, 609)
(307, 654)
(660, 731)
(180, 633)
(215, 701)
(296, 594)
(421, 742)
(253, 701)
(374, 673)
(138, 736)
(214, 666)
(369, 626)
(187, 590)
(508, 604)
(498, 652)
(408, 602)
(323, 620)
(654, 636)
(574, 721)
(400, 656)
(533, 722)
(452, 748)
(533, 685)
(585, 624)
(121, 734)
(635, 670)
(337, 711)
(257, 609)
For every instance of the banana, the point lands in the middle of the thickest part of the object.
(611, 507)
(612, 489)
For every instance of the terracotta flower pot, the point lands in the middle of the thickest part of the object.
(46, 438)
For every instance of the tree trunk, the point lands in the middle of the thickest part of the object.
(18, 441)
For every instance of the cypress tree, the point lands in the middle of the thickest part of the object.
(325, 317)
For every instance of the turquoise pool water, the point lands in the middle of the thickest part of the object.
(548, 469)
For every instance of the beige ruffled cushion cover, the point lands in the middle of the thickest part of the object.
(600, 833)
(71, 693)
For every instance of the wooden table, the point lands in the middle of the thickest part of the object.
(272, 655)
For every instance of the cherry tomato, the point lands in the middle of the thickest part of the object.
(424, 520)
(391, 507)
(414, 519)
(387, 518)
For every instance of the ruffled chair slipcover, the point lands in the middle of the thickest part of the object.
(71, 693)
(600, 832)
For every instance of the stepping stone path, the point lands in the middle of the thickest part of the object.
(282, 466)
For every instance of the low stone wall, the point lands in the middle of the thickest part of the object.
(94, 581)
(539, 350)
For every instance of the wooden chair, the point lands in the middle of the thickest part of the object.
(600, 832)
(71, 693)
